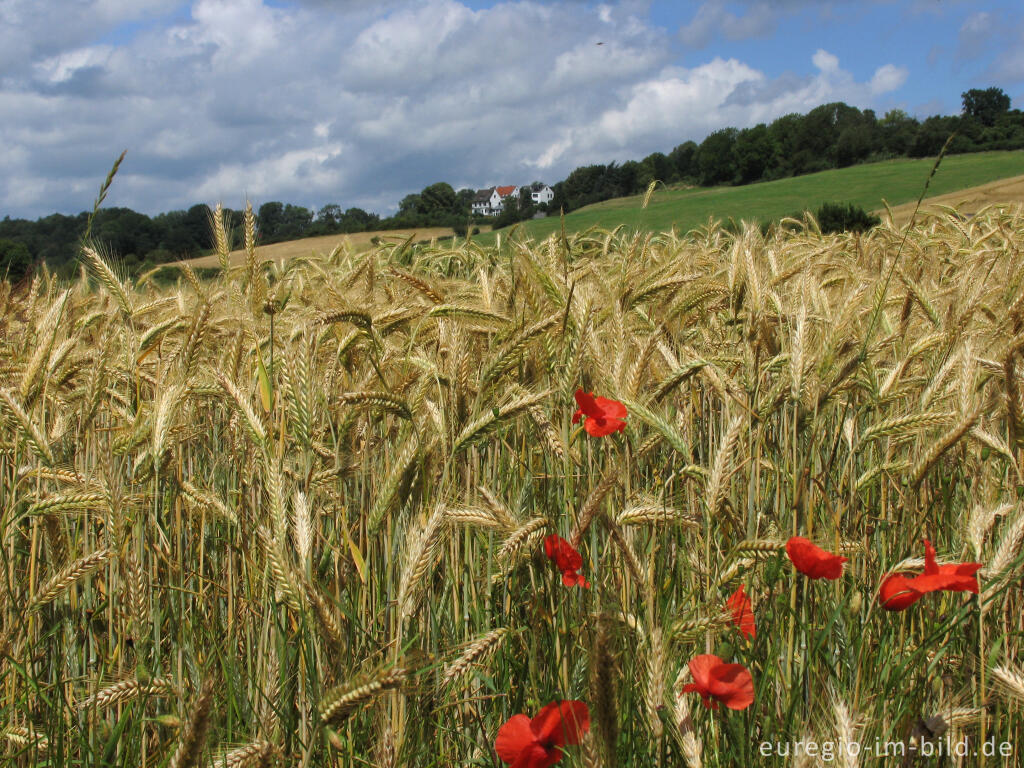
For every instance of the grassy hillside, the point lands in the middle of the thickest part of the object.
(895, 181)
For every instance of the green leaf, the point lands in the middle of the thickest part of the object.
(266, 388)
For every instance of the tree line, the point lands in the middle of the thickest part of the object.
(832, 135)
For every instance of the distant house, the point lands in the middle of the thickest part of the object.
(481, 204)
(491, 201)
(541, 193)
(505, 194)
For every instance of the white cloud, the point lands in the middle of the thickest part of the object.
(242, 31)
(311, 167)
(678, 104)
(825, 61)
(361, 103)
(1001, 36)
(888, 77)
(676, 97)
(392, 52)
(975, 35)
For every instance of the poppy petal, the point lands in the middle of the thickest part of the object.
(560, 723)
(611, 408)
(701, 668)
(897, 592)
(604, 415)
(514, 737)
(573, 579)
(603, 427)
(930, 566)
(946, 580)
(587, 404)
(536, 756)
(949, 577)
(566, 558)
(967, 569)
(960, 577)
(813, 561)
(732, 685)
(739, 606)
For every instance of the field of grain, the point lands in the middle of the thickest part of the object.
(297, 514)
(965, 201)
(307, 246)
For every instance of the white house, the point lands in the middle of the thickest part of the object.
(541, 193)
(491, 201)
(482, 202)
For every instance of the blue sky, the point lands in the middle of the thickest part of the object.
(359, 102)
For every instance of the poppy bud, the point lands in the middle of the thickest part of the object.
(855, 603)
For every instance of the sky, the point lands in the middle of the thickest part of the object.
(358, 103)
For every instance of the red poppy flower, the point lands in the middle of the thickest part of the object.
(742, 614)
(537, 743)
(730, 684)
(567, 559)
(604, 416)
(813, 561)
(952, 577)
(898, 592)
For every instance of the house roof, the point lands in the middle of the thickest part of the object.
(506, 191)
(483, 195)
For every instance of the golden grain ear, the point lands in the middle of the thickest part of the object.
(650, 193)
(220, 237)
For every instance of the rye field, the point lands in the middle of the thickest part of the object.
(327, 512)
(356, 241)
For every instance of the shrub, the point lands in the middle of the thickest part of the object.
(837, 217)
(15, 260)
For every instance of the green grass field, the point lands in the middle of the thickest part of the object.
(869, 186)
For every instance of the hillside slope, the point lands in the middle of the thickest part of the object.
(968, 201)
(871, 186)
(968, 181)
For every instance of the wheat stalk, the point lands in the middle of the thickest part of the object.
(591, 506)
(420, 552)
(256, 754)
(338, 704)
(193, 739)
(689, 741)
(70, 576)
(125, 690)
(474, 651)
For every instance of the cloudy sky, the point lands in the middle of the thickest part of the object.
(358, 102)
